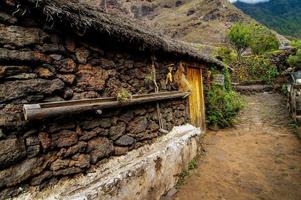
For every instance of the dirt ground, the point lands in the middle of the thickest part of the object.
(260, 158)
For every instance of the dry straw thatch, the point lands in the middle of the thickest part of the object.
(83, 18)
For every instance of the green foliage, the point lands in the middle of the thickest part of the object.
(227, 55)
(254, 36)
(280, 15)
(256, 68)
(295, 60)
(296, 44)
(239, 37)
(262, 40)
(123, 95)
(228, 85)
(222, 106)
(193, 164)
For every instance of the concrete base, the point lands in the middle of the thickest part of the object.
(145, 173)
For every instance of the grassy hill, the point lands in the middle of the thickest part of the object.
(284, 16)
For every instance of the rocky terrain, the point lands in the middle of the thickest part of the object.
(194, 21)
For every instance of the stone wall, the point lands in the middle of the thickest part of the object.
(44, 66)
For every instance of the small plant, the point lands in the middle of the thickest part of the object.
(193, 164)
(185, 173)
(123, 95)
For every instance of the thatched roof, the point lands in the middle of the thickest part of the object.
(82, 18)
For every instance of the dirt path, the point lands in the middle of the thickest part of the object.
(258, 159)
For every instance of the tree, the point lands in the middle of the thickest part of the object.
(239, 37)
(262, 40)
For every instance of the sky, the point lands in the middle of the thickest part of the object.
(249, 1)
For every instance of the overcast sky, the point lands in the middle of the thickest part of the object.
(249, 1)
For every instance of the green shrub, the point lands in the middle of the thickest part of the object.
(256, 68)
(262, 40)
(222, 106)
(295, 60)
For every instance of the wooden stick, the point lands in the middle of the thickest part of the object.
(46, 110)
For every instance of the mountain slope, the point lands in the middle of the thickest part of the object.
(202, 22)
(283, 16)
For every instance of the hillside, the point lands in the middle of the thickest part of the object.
(196, 21)
(283, 16)
(201, 22)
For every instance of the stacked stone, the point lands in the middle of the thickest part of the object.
(38, 66)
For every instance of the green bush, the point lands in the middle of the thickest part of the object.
(262, 40)
(222, 106)
(256, 68)
(295, 60)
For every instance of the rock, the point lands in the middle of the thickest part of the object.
(6, 18)
(67, 171)
(68, 93)
(92, 78)
(20, 56)
(125, 140)
(22, 76)
(88, 135)
(64, 138)
(45, 140)
(179, 114)
(101, 122)
(83, 161)
(33, 151)
(117, 131)
(140, 111)
(89, 95)
(169, 117)
(12, 70)
(66, 65)
(82, 55)
(127, 117)
(99, 148)
(62, 125)
(51, 48)
(70, 44)
(32, 140)
(107, 64)
(180, 121)
(182, 107)
(44, 72)
(11, 151)
(153, 126)
(35, 181)
(59, 164)
(20, 36)
(118, 151)
(56, 57)
(67, 78)
(21, 172)
(138, 125)
(80, 147)
(17, 89)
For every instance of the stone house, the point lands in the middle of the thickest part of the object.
(62, 66)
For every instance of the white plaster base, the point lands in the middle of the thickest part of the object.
(146, 173)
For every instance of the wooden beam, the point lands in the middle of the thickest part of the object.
(47, 110)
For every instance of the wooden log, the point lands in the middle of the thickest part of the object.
(47, 110)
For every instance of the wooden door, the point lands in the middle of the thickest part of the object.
(196, 99)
